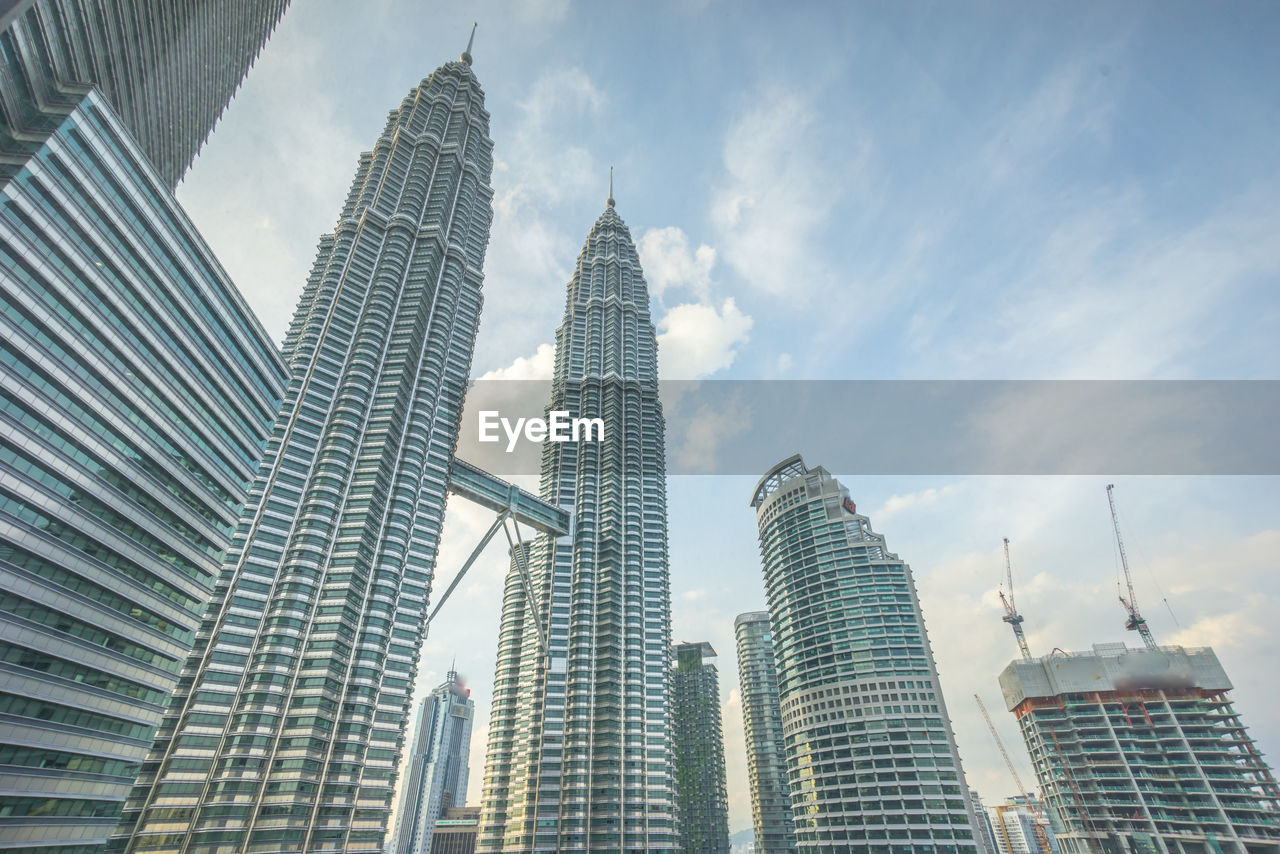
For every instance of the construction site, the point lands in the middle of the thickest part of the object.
(1137, 750)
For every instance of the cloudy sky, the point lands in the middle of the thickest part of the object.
(847, 191)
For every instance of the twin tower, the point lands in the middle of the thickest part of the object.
(283, 733)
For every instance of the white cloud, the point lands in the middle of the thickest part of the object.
(540, 168)
(669, 263)
(777, 195)
(539, 366)
(914, 500)
(697, 340)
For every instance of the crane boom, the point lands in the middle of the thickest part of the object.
(1011, 615)
(1135, 622)
(1042, 837)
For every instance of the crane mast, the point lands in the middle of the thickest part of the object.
(1011, 615)
(1135, 622)
(1038, 819)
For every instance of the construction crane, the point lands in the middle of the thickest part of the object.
(1037, 817)
(1135, 621)
(1011, 615)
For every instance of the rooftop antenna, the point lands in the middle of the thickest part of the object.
(1011, 615)
(466, 54)
(610, 202)
(1135, 621)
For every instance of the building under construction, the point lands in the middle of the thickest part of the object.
(1140, 750)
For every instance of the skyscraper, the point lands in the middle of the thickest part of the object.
(1142, 750)
(984, 834)
(775, 830)
(871, 760)
(579, 755)
(286, 727)
(168, 68)
(435, 777)
(702, 801)
(136, 392)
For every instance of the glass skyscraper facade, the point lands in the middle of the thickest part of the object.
(775, 831)
(136, 393)
(166, 67)
(435, 776)
(285, 729)
(702, 800)
(871, 760)
(579, 755)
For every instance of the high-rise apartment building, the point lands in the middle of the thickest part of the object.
(702, 799)
(1142, 750)
(136, 392)
(435, 776)
(168, 68)
(984, 834)
(579, 755)
(775, 831)
(286, 726)
(1019, 826)
(871, 759)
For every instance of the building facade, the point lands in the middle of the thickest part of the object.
(285, 731)
(984, 834)
(435, 776)
(168, 68)
(1019, 826)
(579, 755)
(1142, 750)
(775, 831)
(136, 393)
(702, 799)
(455, 832)
(871, 760)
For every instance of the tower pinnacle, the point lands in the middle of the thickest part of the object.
(610, 201)
(466, 54)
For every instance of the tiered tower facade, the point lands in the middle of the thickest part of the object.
(579, 755)
(871, 759)
(285, 730)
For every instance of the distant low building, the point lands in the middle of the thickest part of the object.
(1140, 750)
(455, 831)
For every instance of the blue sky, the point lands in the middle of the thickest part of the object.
(847, 191)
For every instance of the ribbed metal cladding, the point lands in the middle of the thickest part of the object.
(702, 800)
(136, 393)
(871, 760)
(762, 725)
(167, 67)
(285, 731)
(579, 754)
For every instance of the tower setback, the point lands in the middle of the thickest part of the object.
(285, 730)
(579, 755)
